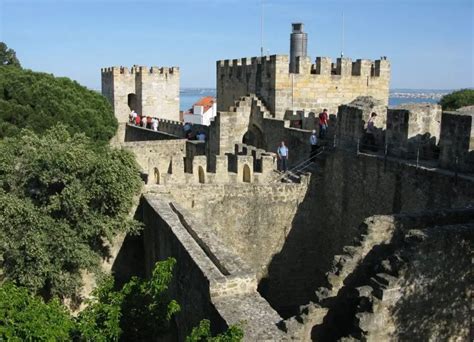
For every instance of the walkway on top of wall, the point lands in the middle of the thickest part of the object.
(232, 284)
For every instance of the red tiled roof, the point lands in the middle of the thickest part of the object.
(205, 102)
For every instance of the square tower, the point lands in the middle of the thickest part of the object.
(149, 91)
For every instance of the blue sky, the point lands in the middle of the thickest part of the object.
(429, 42)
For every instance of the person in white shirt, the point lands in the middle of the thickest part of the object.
(133, 115)
(282, 153)
(313, 141)
(154, 124)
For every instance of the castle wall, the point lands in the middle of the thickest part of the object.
(165, 237)
(210, 281)
(137, 133)
(157, 154)
(347, 189)
(253, 218)
(413, 127)
(352, 121)
(312, 88)
(457, 141)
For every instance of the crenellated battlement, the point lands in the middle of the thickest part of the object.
(322, 65)
(147, 90)
(121, 70)
(311, 87)
(273, 59)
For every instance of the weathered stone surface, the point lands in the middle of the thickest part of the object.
(312, 88)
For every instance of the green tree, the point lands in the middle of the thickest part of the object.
(61, 198)
(38, 101)
(140, 311)
(24, 317)
(457, 99)
(8, 56)
(202, 333)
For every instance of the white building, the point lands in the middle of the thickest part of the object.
(203, 111)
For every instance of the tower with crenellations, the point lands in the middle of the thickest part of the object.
(286, 85)
(149, 91)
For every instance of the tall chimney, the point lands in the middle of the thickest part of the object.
(298, 44)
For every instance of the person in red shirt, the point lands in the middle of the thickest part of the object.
(137, 120)
(323, 123)
(148, 122)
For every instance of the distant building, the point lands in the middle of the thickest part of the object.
(202, 112)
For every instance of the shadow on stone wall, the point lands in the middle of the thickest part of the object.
(130, 260)
(342, 193)
(435, 303)
(426, 294)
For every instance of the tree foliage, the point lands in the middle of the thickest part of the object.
(202, 333)
(458, 99)
(8, 56)
(140, 311)
(38, 101)
(24, 317)
(61, 198)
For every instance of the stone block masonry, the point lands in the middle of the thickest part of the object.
(210, 280)
(149, 91)
(457, 141)
(412, 128)
(312, 88)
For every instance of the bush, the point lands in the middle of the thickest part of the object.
(457, 99)
(140, 311)
(38, 101)
(24, 317)
(202, 333)
(61, 198)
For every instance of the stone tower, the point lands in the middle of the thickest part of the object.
(298, 44)
(149, 91)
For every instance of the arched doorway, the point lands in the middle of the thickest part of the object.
(246, 176)
(132, 101)
(201, 174)
(156, 175)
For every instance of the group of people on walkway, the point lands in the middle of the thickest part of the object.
(283, 152)
(143, 121)
(368, 139)
(189, 134)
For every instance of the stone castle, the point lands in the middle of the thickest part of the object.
(357, 244)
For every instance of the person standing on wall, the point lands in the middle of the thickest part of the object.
(313, 141)
(283, 156)
(323, 123)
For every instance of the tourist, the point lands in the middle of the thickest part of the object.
(132, 116)
(137, 120)
(323, 123)
(370, 131)
(313, 141)
(283, 156)
(187, 129)
(148, 122)
(144, 121)
(154, 124)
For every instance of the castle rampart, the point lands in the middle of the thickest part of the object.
(311, 88)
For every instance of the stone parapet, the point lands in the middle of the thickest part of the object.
(457, 141)
(313, 87)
